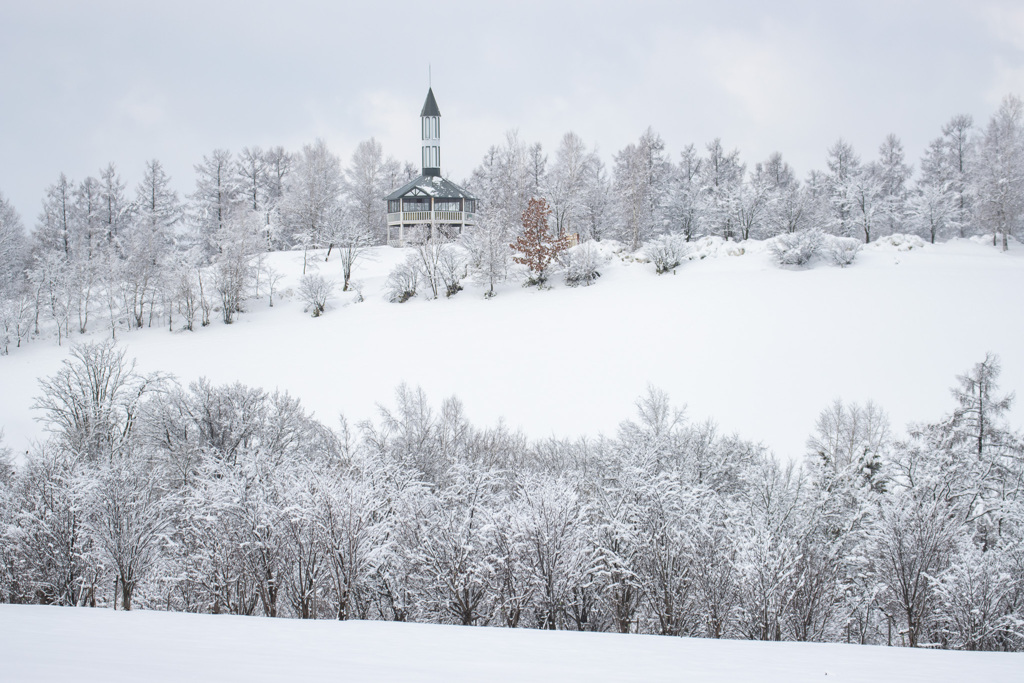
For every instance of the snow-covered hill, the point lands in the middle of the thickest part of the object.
(65, 644)
(759, 348)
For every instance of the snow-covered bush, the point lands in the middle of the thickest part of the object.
(582, 264)
(315, 290)
(842, 251)
(713, 246)
(666, 252)
(900, 242)
(451, 266)
(356, 287)
(403, 280)
(795, 248)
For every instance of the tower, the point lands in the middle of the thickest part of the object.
(430, 207)
(430, 120)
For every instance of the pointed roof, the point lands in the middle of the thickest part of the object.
(430, 106)
(430, 186)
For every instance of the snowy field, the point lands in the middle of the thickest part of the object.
(65, 644)
(760, 349)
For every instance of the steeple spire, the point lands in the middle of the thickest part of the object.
(430, 105)
(430, 120)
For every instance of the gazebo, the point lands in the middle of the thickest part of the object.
(430, 207)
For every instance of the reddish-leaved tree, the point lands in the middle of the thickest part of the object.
(536, 248)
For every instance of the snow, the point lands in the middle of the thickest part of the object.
(62, 643)
(759, 348)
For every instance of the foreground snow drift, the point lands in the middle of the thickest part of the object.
(758, 348)
(62, 644)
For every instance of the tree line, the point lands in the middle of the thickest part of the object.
(230, 499)
(98, 256)
(970, 182)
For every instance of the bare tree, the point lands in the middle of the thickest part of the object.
(999, 174)
(93, 402)
(128, 518)
(311, 205)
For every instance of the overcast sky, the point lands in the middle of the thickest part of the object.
(86, 83)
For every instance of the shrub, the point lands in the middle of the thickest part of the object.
(795, 248)
(356, 287)
(403, 280)
(582, 263)
(315, 291)
(451, 266)
(666, 252)
(842, 251)
(900, 242)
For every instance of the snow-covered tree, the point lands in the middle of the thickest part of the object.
(843, 167)
(54, 292)
(54, 231)
(642, 174)
(754, 201)
(911, 542)
(978, 599)
(893, 175)
(490, 256)
(786, 205)
(237, 243)
(215, 199)
(850, 442)
(568, 183)
(598, 208)
(311, 206)
(116, 210)
(90, 233)
(148, 243)
(54, 555)
(536, 171)
(367, 179)
(552, 531)
(999, 173)
(958, 139)
(932, 209)
(502, 181)
(127, 518)
(721, 184)
(12, 248)
(92, 404)
(686, 203)
(157, 207)
(866, 202)
(352, 513)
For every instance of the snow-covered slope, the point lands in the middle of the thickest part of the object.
(760, 349)
(65, 644)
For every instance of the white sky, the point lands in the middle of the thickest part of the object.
(86, 83)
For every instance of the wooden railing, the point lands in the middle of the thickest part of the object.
(428, 216)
